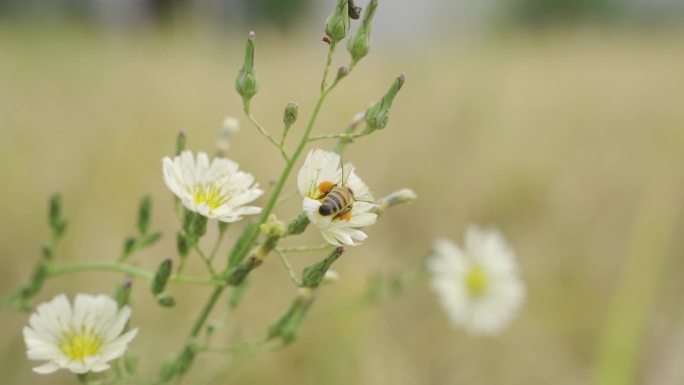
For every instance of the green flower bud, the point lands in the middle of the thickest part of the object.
(290, 115)
(273, 227)
(288, 324)
(168, 371)
(182, 245)
(166, 300)
(337, 24)
(161, 277)
(144, 213)
(342, 72)
(313, 275)
(359, 44)
(37, 279)
(122, 294)
(181, 140)
(298, 225)
(57, 221)
(238, 274)
(398, 197)
(129, 246)
(247, 81)
(150, 239)
(378, 115)
(47, 252)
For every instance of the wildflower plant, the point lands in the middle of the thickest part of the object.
(93, 335)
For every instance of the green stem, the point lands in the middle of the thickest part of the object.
(238, 348)
(197, 327)
(294, 249)
(344, 136)
(214, 250)
(328, 62)
(263, 131)
(207, 260)
(288, 267)
(273, 199)
(128, 270)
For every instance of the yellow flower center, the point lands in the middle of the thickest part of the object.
(210, 195)
(79, 346)
(476, 281)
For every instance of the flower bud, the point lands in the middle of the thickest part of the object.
(57, 221)
(182, 245)
(337, 24)
(298, 225)
(273, 227)
(122, 294)
(290, 115)
(342, 72)
(313, 275)
(129, 247)
(405, 195)
(161, 277)
(166, 300)
(144, 213)
(378, 115)
(181, 140)
(40, 272)
(359, 44)
(247, 81)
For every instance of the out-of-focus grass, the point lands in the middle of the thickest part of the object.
(559, 139)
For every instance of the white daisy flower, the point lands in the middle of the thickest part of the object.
(215, 189)
(321, 172)
(478, 286)
(82, 338)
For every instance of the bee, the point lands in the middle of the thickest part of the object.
(338, 199)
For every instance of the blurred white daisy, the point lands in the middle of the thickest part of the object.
(478, 286)
(81, 339)
(231, 126)
(322, 171)
(215, 189)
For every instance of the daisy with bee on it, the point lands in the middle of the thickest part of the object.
(336, 200)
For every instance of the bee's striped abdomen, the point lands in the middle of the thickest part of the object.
(338, 200)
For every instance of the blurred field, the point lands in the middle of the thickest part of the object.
(570, 141)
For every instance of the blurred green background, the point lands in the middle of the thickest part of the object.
(559, 122)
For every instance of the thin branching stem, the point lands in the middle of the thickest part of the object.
(299, 249)
(217, 244)
(129, 270)
(344, 136)
(331, 52)
(241, 347)
(275, 194)
(262, 130)
(206, 259)
(288, 267)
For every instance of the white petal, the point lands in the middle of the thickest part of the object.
(46, 368)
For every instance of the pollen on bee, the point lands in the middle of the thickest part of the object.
(326, 186)
(347, 215)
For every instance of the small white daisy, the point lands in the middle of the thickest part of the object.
(322, 171)
(81, 339)
(478, 286)
(216, 190)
